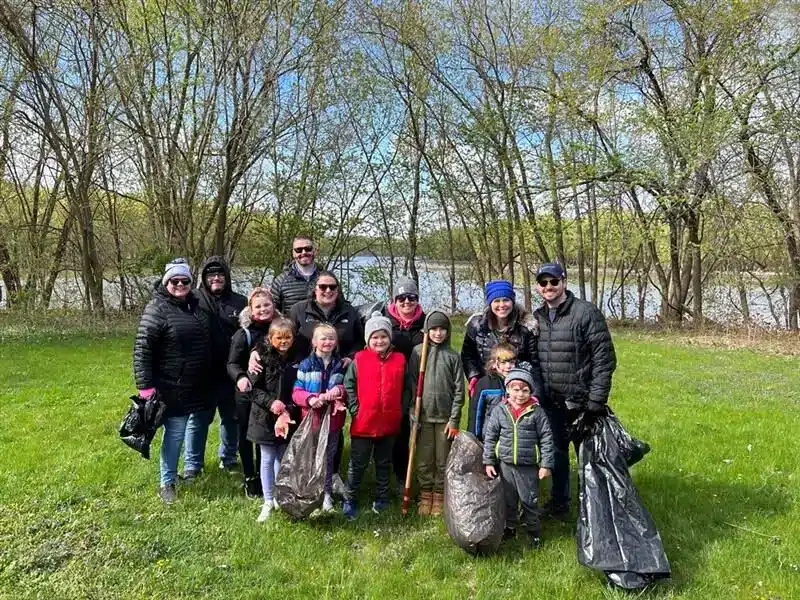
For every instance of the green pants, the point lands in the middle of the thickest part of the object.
(431, 456)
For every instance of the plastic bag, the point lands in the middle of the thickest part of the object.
(632, 449)
(615, 532)
(300, 483)
(475, 510)
(140, 423)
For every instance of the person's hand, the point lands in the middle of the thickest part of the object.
(278, 407)
(338, 406)
(147, 393)
(491, 473)
(450, 432)
(473, 382)
(346, 362)
(282, 425)
(315, 402)
(544, 473)
(335, 393)
(324, 397)
(254, 364)
(412, 419)
(243, 385)
(596, 408)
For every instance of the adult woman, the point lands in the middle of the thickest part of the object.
(171, 355)
(327, 305)
(501, 321)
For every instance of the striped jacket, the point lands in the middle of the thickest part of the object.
(313, 379)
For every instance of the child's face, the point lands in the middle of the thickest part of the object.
(504, 365)
(324, 341)
(518, 392)
(263, 309)
(379, 341)
(281, 340)
(437, 334)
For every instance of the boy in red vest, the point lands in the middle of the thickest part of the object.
(377, 393)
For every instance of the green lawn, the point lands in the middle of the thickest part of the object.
(79, 516)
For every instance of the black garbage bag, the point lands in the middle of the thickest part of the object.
(632, 448)
(300, 483)
(474, 510)
(140, 423)
(615, 532)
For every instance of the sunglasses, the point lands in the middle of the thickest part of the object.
(302, 249)
(325, 287)
(177, 282)
(407, 298)
(552, 282)
(215, 275)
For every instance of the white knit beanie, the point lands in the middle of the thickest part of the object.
(375, 323)
(177, 267)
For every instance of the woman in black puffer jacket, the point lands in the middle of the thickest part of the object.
(171, 356)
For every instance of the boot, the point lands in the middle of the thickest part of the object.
(252, 487)
(424, 504)
(436, 505)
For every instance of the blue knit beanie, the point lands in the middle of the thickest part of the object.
(499, 288)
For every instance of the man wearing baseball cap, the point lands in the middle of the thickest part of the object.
(577, 359)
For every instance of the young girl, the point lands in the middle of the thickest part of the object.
(254, 321)
(319, 387)
(489, 390)
(272, 407)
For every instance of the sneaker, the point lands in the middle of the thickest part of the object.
(380, 506)
(229, 467)
(190, 475)
(509, 533)
(266, 508)
(327, 504)
(338, 486)
(535, 540)
(349, 509)
(252, 487)
(275, 504)
(167, 493)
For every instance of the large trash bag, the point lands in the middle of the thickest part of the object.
(475, 510)
(632, 448)
(615, 532)
(140, 423)
(300, 483)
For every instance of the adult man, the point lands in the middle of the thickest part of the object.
(577, 359)
(298, 279)
(223, 306)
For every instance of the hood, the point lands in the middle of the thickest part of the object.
(215, 260)
(439, 314)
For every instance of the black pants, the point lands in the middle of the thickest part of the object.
(361, 450)
(560, 494)
(521, 486)
(400, 451)
(248, 456)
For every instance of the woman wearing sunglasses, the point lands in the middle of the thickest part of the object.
(326, 304)
(171, 356)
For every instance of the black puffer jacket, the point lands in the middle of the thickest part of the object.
(171, 352)
(479, 340)
(239, 355)
(343, 317)
(223, 309)
(403, 340)
(275, 382)
(515, 442)
(291, 287)
(575, 352)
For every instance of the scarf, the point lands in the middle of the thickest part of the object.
(405, 323)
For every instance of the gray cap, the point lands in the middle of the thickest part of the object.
(177, 267)
(405, 286)
(517, 374)
(375, 323)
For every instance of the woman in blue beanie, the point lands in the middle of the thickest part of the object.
(501, 321)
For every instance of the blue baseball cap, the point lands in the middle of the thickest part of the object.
(553, 269)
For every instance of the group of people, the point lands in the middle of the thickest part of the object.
(264, 362)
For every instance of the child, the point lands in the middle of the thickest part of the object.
(489, 390)
(319, 386)
(440, 413)
(515, 428)
(254, 321)
(273, 412)
(377, 390)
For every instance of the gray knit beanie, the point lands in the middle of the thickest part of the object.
(405, 287)
(177, 267)
(517, 374)
(375, 323)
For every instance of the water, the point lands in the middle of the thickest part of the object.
(364, 279)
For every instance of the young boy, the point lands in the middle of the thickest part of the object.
(490, 388)
(515, 428)
(377, 391)
(440, 413)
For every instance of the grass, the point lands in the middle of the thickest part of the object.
(79, 516)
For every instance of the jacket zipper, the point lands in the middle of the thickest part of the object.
(514, 422)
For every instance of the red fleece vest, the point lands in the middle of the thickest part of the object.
(379, 389)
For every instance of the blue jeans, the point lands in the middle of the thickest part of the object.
(228, 433)
(193, 429)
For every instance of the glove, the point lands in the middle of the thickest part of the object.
(472, 383)
(146, 393)
(596, 408)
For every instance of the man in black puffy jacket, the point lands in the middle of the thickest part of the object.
(223, 306)
(297, 280)
(577, 359)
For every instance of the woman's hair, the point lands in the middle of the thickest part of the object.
(281, 324)
(502, 351)
(259, 291)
